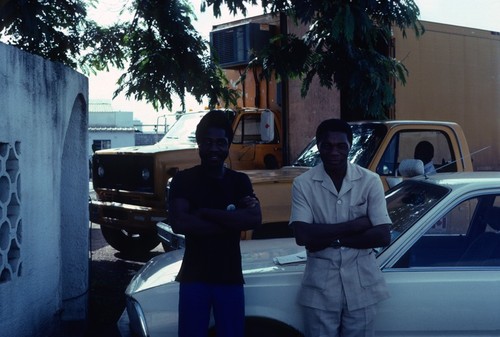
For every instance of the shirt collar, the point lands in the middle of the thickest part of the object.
(352, 174)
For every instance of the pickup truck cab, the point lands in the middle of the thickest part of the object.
(379, 146)
(130, 182)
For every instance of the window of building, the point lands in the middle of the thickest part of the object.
(101, 144)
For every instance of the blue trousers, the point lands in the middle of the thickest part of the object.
(197, 300)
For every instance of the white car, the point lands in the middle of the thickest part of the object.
(442, 268)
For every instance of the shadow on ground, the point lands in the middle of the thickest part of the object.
(110, 273)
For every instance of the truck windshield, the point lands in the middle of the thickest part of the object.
(184, 128)
(365, 142)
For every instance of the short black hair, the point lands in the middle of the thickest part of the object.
(214, 119)
(424, 151)
(333, 125)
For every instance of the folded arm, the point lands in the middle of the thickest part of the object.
(185, 222)
(247, 215)
(358, 233)
(376, 236)
(315, 234)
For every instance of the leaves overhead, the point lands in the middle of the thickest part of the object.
(46, 28)
(160, 51)
(346, 45)
(167, 55)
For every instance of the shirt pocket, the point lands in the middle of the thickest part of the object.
(358, 210)
(368, 270)
(317, 273)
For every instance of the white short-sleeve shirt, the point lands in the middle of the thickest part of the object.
(316, 200)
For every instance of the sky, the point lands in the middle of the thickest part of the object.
(479, 14)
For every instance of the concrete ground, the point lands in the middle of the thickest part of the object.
(110, 273)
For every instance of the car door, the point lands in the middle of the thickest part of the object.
(434, 290)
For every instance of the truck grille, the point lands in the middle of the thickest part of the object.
(127, 173)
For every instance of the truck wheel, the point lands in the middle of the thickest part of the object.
(130, 243)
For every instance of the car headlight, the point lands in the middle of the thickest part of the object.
(136, 318)
(145, 174)
(100, 171)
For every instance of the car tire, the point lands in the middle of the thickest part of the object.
(128, 242)
(265, 327)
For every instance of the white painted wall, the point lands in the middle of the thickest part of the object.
(110, 125)
(44, 264)
(118, 138)
(111, 118)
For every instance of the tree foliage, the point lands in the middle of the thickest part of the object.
(160, 51)
(161, 54)
(347, 45)
(47, 28)
(167, 55)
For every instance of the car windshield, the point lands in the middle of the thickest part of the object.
(184, 128)
(409, 201)
(366, 140)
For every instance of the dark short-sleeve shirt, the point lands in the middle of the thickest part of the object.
(212, 258)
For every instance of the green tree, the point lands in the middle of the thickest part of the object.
(46, 28)
(346, 45)
(162, 54)
(160, 51)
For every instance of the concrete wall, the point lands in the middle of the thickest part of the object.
(147, 138)
(305, 114)
(118, 138)
(106, 124)
(44, 226)
(112, 118)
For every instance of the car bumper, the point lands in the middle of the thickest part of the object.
(124, 216)
(168, 238)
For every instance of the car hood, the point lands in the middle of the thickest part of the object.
(258, 256)
(286, 173)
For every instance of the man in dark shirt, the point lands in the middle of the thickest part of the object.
(211, 204)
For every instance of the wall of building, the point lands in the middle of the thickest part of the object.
(44, 227)
(111, 118)
(147, 138)
(118, 137)
(305, 113)
(106, 125)
(454, 75)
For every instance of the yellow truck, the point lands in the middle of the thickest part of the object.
(130, 182)
(379, 146)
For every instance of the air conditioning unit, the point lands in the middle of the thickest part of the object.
(235, 46)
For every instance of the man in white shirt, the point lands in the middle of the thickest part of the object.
(339, 213)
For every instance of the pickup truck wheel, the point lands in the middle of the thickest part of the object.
(128, 242)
